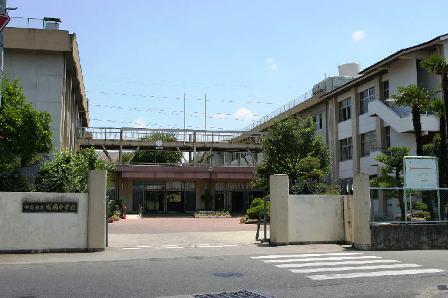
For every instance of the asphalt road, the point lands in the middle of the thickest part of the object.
(164, 271)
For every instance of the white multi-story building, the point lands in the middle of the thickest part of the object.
(357, 119)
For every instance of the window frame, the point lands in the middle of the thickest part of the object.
(364, 100)
(345, 149)
(368, 143)
(345, 109)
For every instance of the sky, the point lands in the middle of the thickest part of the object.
(248, 57)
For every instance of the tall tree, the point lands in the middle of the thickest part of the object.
(418, 98)
(391, 172)
(293, 147)
(24, 132)
(438, 65)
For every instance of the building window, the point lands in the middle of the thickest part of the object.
(345, 147)
(387, 136)
(365, 97)
(368, 143)
(345, 107)
(317, 118)
(386, 93)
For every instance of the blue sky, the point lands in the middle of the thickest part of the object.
(249, 57)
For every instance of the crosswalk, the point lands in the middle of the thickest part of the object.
(342, 265)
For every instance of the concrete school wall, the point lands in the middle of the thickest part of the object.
(83, 230)
(298, 219)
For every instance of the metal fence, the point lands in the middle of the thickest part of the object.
(397, 205)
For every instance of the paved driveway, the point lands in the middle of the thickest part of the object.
(180, 232)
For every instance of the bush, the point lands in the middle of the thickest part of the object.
(256, 208)
(419, 206)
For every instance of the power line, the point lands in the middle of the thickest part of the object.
(253, 101)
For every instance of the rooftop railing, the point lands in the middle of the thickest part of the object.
(33, 23)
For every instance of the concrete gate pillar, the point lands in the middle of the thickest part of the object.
(279, 192)
(361, 212)
(96, 221)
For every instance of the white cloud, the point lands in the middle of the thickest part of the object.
(244, 113)
(271, 63)
(358, 35)
(140, 123)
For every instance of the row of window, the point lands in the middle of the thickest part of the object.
(368, 144)
(365, 96)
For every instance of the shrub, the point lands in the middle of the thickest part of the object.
(256, 208)
(419, 206)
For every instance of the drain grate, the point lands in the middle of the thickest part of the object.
(238, 294)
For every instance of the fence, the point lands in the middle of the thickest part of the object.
(397, 205)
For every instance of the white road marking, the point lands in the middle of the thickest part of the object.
(208, 246)
(230, 245)
(321, 259)
(373, 274)
(131, 248)
(143, 246)
(329, 269)
(308, 255)
(335, 263)
(171, 245)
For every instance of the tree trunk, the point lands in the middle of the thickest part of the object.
(417, 129)
(443, 144)
(442, 152)
(400, 196)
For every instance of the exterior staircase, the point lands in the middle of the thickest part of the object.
(401, 120)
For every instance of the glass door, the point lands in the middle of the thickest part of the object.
(154, 201)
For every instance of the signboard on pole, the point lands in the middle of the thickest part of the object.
(4, 20)
(421, 172)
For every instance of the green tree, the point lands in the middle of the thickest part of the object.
(418, 98)
(155, 156)
(24, 132)
(391, 172)
(438, 65)
(293, 147)
(438, 142)
(69, 171)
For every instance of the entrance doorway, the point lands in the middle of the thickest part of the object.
(154, 201)
(236, 201)
(219, 200)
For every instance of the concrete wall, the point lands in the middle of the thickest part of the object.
(41, 75)
(42, 231)
(308, 218)
(316, 218)
(84, 230)
(417, 236)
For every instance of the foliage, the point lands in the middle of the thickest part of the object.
(294, 148)
(392, 168)
(24, 132)
(435, 64)
(419, 206)
(157, 156)
(69, 171)
(256, 208)
(391, 172)
(419, 99)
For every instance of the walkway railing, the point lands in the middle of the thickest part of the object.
(139, 134)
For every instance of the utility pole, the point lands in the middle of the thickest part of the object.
(184, 119)
(205, 114)
(3, 11)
